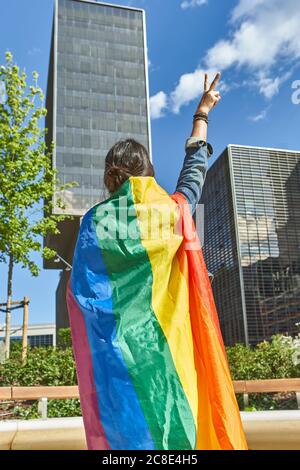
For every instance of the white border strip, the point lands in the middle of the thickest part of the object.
(238, 247)
(124, 7)
(262, 148)
(147, 86)
(54, 94)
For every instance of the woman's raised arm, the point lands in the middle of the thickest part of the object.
(192, 175)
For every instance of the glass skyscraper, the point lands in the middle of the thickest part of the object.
(97, 94)
(251, 202)
(98, 86)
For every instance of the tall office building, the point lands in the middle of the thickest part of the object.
(97, 94)
(251, 202)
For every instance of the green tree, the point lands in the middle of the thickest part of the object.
(27, 179)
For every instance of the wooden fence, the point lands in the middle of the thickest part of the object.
(43, 394)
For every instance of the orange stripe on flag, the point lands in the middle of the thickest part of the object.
(219, 421)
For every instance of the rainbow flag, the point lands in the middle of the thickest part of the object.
(151, 364)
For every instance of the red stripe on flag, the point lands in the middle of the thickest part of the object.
(197, 266)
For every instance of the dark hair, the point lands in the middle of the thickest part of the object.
(126, 158)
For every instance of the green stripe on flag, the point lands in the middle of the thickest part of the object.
(143, 344)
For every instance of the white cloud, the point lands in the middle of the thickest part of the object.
(260, 116)
(245, 7)
(269, 31)
(262, 35)
(192, 3)
(269, 86)
(189, 88)
(158, 104)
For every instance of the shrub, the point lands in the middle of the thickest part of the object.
(44, 366)
(267, 360)
(56, 409)
(278, 358)
(64, 339)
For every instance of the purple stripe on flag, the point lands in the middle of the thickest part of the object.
(95, 436)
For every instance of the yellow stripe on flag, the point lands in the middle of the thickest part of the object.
(170, 295)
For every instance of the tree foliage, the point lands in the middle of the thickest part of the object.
(27, 179)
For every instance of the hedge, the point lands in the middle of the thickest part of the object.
(278, 358)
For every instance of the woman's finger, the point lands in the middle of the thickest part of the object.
(215, 81)
(206, 87)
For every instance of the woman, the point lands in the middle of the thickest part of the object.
(151, 363)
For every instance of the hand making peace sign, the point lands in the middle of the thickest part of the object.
(210, 96)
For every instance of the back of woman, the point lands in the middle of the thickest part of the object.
(151, 363)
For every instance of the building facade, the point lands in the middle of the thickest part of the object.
(37, 335)
(97, 94)
(251, 202)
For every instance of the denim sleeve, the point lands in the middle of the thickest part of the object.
(192, 175)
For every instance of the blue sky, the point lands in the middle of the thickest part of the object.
(256, 45)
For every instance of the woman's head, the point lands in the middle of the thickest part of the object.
(126, 158)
